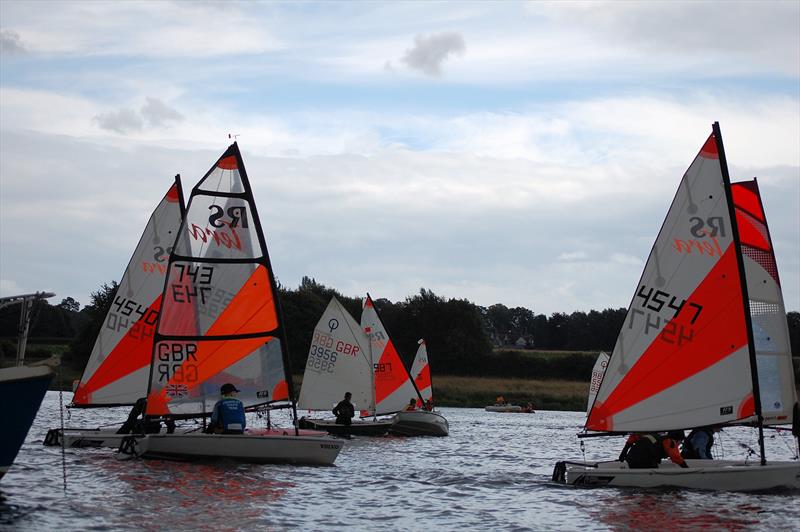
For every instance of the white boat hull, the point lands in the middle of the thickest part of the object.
(721, 475)
(503, 408)
(420, 423)
(273, 448)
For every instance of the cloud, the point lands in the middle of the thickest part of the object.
(158, 114)
(154, 113)
(431, 51)
(122, 121)
(10, 43)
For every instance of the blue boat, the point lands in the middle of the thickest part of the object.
(22, 389)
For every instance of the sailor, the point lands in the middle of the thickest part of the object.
(645, 451)
(344, 411)
(429, 404)
(412, 405)
(228, 414)
(699, 442)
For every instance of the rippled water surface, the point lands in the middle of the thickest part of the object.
(491, 473)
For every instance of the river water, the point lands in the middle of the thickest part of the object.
(491, 473)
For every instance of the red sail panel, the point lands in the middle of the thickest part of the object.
(252, 310)
(745, 197)
(423, 380)
(390, 374)
(719, 331)
(132, 353)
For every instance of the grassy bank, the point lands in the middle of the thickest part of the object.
(479, 392)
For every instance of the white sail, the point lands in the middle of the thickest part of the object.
(767, 311)
(682, 356)
(119, 365)
(598, 371)
(393, 385)
(421, 371)
(339, 361)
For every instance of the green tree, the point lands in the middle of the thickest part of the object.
(95, 313)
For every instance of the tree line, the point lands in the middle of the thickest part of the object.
(463, 338)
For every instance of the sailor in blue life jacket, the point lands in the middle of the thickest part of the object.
(699, 442)
(228, 415)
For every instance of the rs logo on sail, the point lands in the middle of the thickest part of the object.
(706, 233)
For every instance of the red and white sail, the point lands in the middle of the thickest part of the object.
(219, 318)
(338, 361)
(421, 371)
(767, 312)
(682, 356)
(393, 385)
(119, 365)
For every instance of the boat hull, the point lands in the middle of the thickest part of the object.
(420, 423)
(80, 437)
(21, 392)
(273, 448)
(357, 428)
(720, 475)
(503, 408)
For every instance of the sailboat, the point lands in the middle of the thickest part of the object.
(118, 368)
(705, 340)
(394, 387)
(421, 372)
(220, 322)
(22, 388)
(339, 361)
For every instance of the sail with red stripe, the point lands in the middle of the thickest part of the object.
(220, 320)
(393, 385)
(119, 365)
(767, 311)
(421, 371)
(682, 358)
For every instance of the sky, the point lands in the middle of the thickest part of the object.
(502, 152)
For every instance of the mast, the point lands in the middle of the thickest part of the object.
(743, 283)
(372, 371)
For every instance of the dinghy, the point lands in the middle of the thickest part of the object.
(503, 408)
(339, 361)
(705, 340)
(394, 386)
(421, 422)
(118, 368)
(220, 322)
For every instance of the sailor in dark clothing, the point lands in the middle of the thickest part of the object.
(228, 414)
(139, 426)
(645, 451)
(699, 442)
(344, 411)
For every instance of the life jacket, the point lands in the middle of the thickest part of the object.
(690, 451)
(231, 414)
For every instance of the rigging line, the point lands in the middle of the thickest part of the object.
(63, 450)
